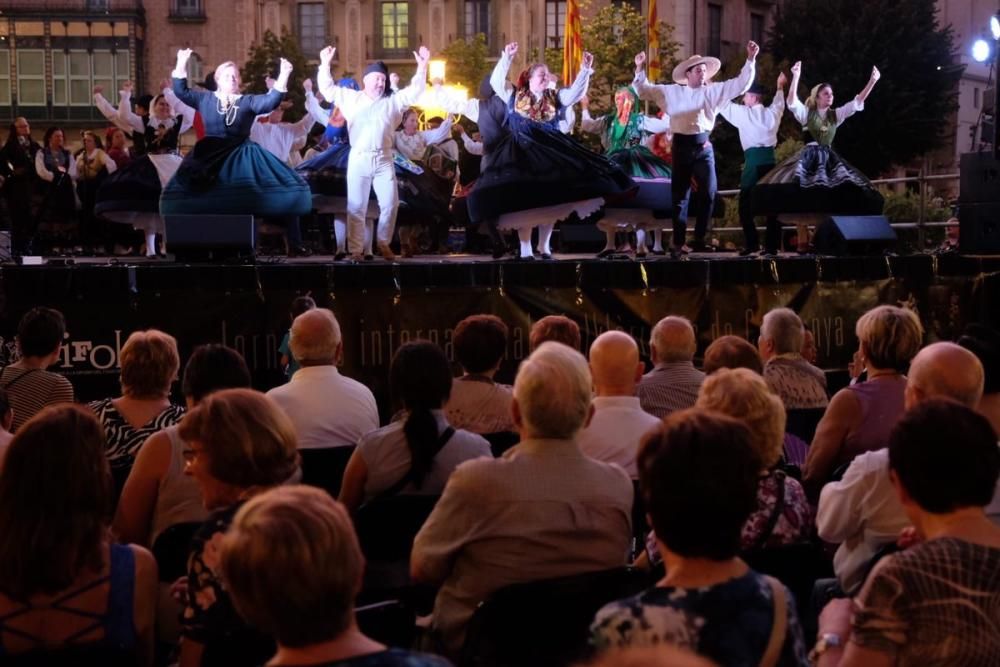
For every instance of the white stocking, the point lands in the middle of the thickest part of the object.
(524, 234)
(340, 231)
(544, 236)
(150, 244)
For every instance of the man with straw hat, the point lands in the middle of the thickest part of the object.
(693, 105)
(758, 126)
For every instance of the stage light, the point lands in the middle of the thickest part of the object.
(980, 51)
(437, 70)
(995, 26)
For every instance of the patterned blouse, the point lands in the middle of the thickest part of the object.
(729, 622)
(124, 439)
(937, 603)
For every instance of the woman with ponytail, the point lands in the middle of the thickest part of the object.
(417, 452)
(816, 182)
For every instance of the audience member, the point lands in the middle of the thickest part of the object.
(479, 404)
(699, 478)
(6, 419)
(556, 328)
(240, 444)
(809, 351)
(861, 416)
(862, 511)
(984, 342)
(619, 422)
(659, 656)
(63, 582)
(799, 384)
(149, 363)
(300, 304)
(732, 352)
(303, 594)
(674, 382)
(157, 493)
(328, 409)
(29, 385)
(543, 510)
(938, 602)
(415, 454)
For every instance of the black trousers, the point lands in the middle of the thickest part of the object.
(772, 235)
(693, 159)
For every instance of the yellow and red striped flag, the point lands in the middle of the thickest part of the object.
(572, 43)
(653, 37)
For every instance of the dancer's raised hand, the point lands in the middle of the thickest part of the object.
(588, 60)
(98, 90)
(164, 83)
(183, 56)
(127, 87)
(510, 49)
(326, 55)
(640, 59)
(285, 67)
(585, 102)
(782, 80)
(422, 56)
(876, 75)
(307, 85)
(752, 50)
(797, 68)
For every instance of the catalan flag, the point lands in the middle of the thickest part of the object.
(653, 37)
(573, 43)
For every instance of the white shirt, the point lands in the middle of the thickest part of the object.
(862, 511)
(614, 433)
(314, 109)
(471, 145)
(279, 138)
(328, 409)
(599, 126)
(801, 112)
(758, 125)
(693, 110)
(413, 146)
(134, 122)
(370, 123)
(50, 176)
(567, 96)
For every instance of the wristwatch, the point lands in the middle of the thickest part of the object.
(824, 643)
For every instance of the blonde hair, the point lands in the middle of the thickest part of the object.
(149, 363)
(743, 394)
(303, 592)
(889, 336)
(248, 440)
(222, 66)
(552, 390)
(814, 93)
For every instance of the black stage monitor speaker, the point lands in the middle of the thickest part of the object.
(979, 178)
(979, 228)
(209, 238)
(854, 235)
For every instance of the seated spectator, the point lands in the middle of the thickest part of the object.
(744, 395)
(799, 384)
(984, 342)
(300, 305)
(543, 510)
(809, 351)
(556, 328)
(732, 352)
(861, 416)
(240, 444)
(862, 512)
(63, 582)
(303, 594)
(674, 382)
(415, 454)
(327, 409)
(157, 493)
(659, 656)
(619, 422)
(479, 404)
(938, 602)
(6, 419)
(149, 363)
(29, 385)
(699, 478)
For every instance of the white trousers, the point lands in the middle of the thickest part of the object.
(365, 170)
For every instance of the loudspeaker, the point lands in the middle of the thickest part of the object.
(209, 238)
(979, 178)
(854, 235)
(979, 228)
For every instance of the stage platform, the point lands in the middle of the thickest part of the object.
(381, 304)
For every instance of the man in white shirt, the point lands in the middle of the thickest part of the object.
(692, 106)
(372, 118)
(862, 511)
(758, 126)
(327, 408)
(619, 422)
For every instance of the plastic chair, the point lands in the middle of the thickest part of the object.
(324, 467)
(172, 548)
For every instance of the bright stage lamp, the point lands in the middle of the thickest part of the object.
(437, 70)
(995, 26)
(980, 51)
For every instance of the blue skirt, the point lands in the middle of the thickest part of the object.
(225, 177)
(326, 173)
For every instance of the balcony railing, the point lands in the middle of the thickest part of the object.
(186, 11)
(70, 6)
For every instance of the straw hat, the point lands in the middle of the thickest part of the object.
(713, 64)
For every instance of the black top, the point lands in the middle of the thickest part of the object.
(234, 122)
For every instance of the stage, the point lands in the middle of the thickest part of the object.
(381, 305)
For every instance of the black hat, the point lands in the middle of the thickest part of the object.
(144, 101)
(757, 89)
(377, 67)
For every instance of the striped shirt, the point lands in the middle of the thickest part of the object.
(32, 389)
(669, 387)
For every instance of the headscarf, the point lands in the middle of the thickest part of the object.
(622, 127)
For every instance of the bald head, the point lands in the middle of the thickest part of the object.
(315, 338)
(945, 370)
(614, 364)
(673, 340)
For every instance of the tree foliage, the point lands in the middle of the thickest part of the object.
(468, 62)
(838, 41)
(262, 61)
